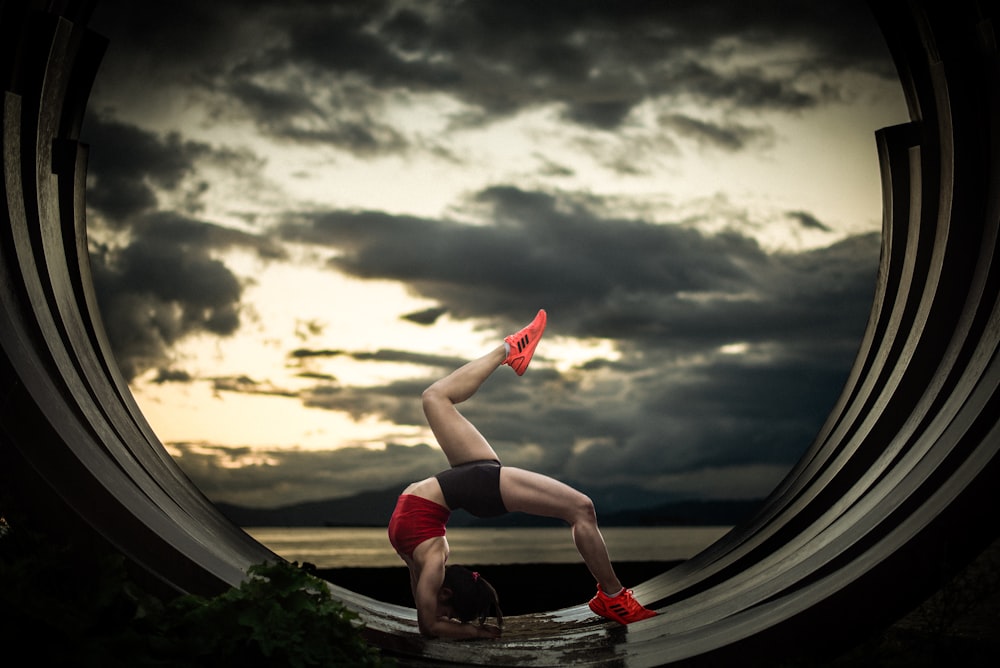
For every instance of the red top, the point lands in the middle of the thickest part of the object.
(415, 520)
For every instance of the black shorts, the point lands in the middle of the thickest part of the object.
(475, 487)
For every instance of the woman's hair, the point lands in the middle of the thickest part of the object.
(471, 595)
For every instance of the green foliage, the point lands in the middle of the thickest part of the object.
(280, 616)
(61, 605)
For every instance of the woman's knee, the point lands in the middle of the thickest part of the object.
(582, 510)
(433, 396)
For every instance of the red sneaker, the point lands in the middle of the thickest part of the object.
(622, 608)
(522, 344)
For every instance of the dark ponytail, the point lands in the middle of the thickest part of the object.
(472, 597)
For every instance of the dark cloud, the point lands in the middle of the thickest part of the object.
(311, 71)
(129, 168)
(808, 221)
(172, 376)
(161, 280)
(165, 284)
(421, 359)
(427, 316)
(126, 164)
(169, 228)
(729, 136)
(604, 115)
(247, 385)
(292, 115)
(304, 353)
(186, 43)
(409, 357)
(398, 401)
(153, 294)
(750, 88)
(557, 251)
(621, 279)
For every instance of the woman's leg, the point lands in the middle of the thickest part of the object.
(458, 438)
(461, 441)
(537, 494)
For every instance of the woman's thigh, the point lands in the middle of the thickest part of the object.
(536, 494)
(458, 438)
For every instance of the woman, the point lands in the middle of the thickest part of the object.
(448, 597)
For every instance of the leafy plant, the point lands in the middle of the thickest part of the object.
(281, 615)
(62, 604)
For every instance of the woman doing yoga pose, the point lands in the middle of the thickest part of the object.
(447, 597)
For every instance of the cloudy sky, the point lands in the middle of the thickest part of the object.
(303, 212)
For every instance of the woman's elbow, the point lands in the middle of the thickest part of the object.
(427, 629)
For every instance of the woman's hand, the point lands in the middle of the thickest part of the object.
(489, 631)
(445, 627)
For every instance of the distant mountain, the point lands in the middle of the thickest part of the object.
(617, 506)
(367, 509)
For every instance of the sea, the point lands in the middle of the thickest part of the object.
(341, 547)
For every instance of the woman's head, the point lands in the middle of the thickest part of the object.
(472, 596)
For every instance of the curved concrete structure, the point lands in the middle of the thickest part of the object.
(898, 490)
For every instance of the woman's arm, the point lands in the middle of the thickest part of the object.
(442, 627)
(432, 624)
